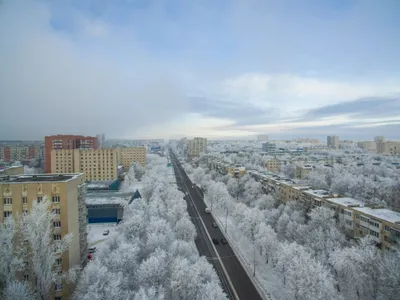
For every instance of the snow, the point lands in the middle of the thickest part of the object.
(345, 201)
(95, 235)
(107, 200)
(380, 213)
(317, 193)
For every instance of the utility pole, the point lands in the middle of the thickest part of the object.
(226, 220)
(254, 259)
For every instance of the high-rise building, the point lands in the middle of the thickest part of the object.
(96, 164)
(101, 138)
(379, 139)
(127, 156)
(268, 147)
(262, 138)
(67, 195)
(60, 141)
(197, 146)
(333, 141)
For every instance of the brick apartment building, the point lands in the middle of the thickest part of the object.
(63, 142)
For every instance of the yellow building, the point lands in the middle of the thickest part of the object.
(12, 171)
(96, 164)
(197, 146)
(128, 156)
(273, 165)
(236, 171)
(67, 193)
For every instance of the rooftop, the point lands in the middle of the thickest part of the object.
(38, 178)
(345, 201)
(317, 193)
(122, 198)
(380, 213)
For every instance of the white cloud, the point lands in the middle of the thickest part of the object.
(95, 28)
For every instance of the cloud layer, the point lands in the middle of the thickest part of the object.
(136, 69)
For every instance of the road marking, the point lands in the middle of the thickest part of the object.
(212, 244)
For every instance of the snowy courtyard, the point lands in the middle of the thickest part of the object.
(95, 235)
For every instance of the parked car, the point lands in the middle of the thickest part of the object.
(214, 225)
(224, 241)
(207, 210)
(215, 241)
(106, 232)
(92, 250)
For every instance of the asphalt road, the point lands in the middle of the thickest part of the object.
(243, 287)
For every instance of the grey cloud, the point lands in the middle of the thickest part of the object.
(47, 86)
(362, 108)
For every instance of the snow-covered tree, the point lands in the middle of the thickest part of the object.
(138, 170)
(20, 290)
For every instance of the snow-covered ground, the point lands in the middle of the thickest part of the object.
(95, 235)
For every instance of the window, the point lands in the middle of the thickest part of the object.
(56, 199)
(57, 224)
(376, 234)
(58, 287)
(7, 200)
(26, 277)
(25, 212)
(24, 200)
(58, 261)
(57, 237)
(7, 214)
(56, 211)
(57, 298)
(39, 199)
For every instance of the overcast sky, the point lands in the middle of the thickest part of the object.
(219, 69)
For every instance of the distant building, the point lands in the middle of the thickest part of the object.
(9, 153)
(332, 141)
(101, 138)
(301, 172)
(96, 164)
(128, 156)
(67, 194)
(379, 139)
(197, 146)
(262, 137)
(65, 142)
(268, 147)
(368, 146)
(273, 165)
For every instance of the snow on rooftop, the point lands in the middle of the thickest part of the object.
(301, 187)
(317, 192)
(107, 200)
(345, 201)
(380, 213)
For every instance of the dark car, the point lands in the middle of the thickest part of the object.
(215, 241)
(214, 225)
(224, 241)
(92, 250)
(106, 232)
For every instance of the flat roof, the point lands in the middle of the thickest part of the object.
(317, 192)
(380, 213)
(109, 198)
(345, 201)
(38, 178)
(302, 187)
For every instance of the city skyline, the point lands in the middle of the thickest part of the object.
(135, 69)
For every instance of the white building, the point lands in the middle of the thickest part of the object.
(332, 141)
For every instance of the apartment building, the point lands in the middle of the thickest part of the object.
(301, 172)
(59, 142)
(368, 146)
(273, 165)
(262, 137)
(269, 147)
(332, 141)
(96, 164)
(18, 152)
(388, 148)
(197, 146)
(128, 156)
(67, 193)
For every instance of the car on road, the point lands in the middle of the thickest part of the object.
(92, 250)
(215, 241)
(224, 241)
(214, 225)
(106, 232)
(207, 210)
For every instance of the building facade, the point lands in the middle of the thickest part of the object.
(9, 153)
(67, 195)
(262, 138)
(332, 141)
(96, 164)
(273, 165)
(127, 156)
(196, 146)
(18, 170)
(59, 142)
